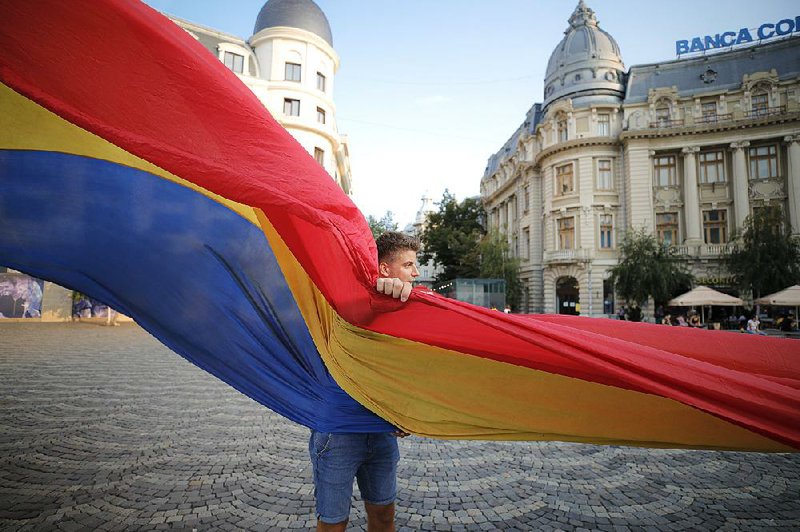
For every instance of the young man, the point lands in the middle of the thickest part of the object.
(369, 458)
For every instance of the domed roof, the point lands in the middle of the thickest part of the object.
(302, 14)
(586, 59)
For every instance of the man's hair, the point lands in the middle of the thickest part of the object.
(392, 242)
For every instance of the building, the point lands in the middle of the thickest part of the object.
(685, 149)
(430, 269)
(289, 63)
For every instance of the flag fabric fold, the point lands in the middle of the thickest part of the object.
(136, 168)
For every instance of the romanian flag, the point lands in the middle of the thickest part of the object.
(137, 169)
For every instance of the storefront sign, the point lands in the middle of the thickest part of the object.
(768, 30)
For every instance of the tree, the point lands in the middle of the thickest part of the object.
(451, 237)
(497, 263)
(378, 227)
(765, 257)
(647, 269)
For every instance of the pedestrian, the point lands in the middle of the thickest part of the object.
(667, 319)
(753, 325)
(694, 320)
(368, 458)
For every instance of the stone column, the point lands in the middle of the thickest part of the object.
(691, 197)
(793, 181)
(741, 200)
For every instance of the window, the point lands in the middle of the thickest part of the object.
(526, 244)
(763, 162)
(715, 226)
(712, 167)
(234, 61)
(603, 125)
(759, 103)
(709, 111)
(562, 130)
(667, 228)
(662, 116)
(292, 72)
(320, 115)
(604, 179)
(565, 183)
(319, 156)
(566, 233)
(321, 81)
(665, 171)
(291, 107)
(527, 200)
(606, 231)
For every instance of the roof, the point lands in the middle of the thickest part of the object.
(692, 76)
(302, 14)
(532, 118)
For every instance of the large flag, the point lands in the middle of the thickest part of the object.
(137, 169)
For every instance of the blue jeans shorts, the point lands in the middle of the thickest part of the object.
(337, 459)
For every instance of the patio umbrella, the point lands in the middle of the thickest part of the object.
(788, 297)
(703, 295)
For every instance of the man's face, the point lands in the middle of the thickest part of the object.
(403, 265)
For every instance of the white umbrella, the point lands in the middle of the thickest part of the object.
(703, 295)
(788, 297)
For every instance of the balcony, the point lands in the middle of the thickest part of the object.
(702, 250)
(714, 119)
(664, 123)
(566, 256)
(764, 112)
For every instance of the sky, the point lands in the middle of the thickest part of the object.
(428, 90)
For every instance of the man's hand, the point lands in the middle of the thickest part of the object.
(394, 287)
(400, 434)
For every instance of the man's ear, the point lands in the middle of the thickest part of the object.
(383, 268)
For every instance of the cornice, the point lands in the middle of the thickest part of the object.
(574, 144)
(741, 123)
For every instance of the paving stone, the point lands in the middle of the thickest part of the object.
(104, 428)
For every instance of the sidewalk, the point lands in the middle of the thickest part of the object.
(104, 428)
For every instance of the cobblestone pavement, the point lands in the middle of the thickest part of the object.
(104, 428)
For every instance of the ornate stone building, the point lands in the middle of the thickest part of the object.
(686, 149)
(289, 63)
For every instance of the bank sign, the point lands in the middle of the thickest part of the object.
(768, 30)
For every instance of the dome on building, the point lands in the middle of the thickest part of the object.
(587, 61)
(426, 208)
(301, 14)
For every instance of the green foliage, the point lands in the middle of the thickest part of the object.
(378, 227)
(496, 263)
(452, 235)
(765, 257)
(647, 269)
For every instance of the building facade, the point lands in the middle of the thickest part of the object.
(289, 63)
(685, 149)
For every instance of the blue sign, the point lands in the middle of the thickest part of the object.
(765, 31)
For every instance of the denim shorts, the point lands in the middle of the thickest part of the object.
(339, 458)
